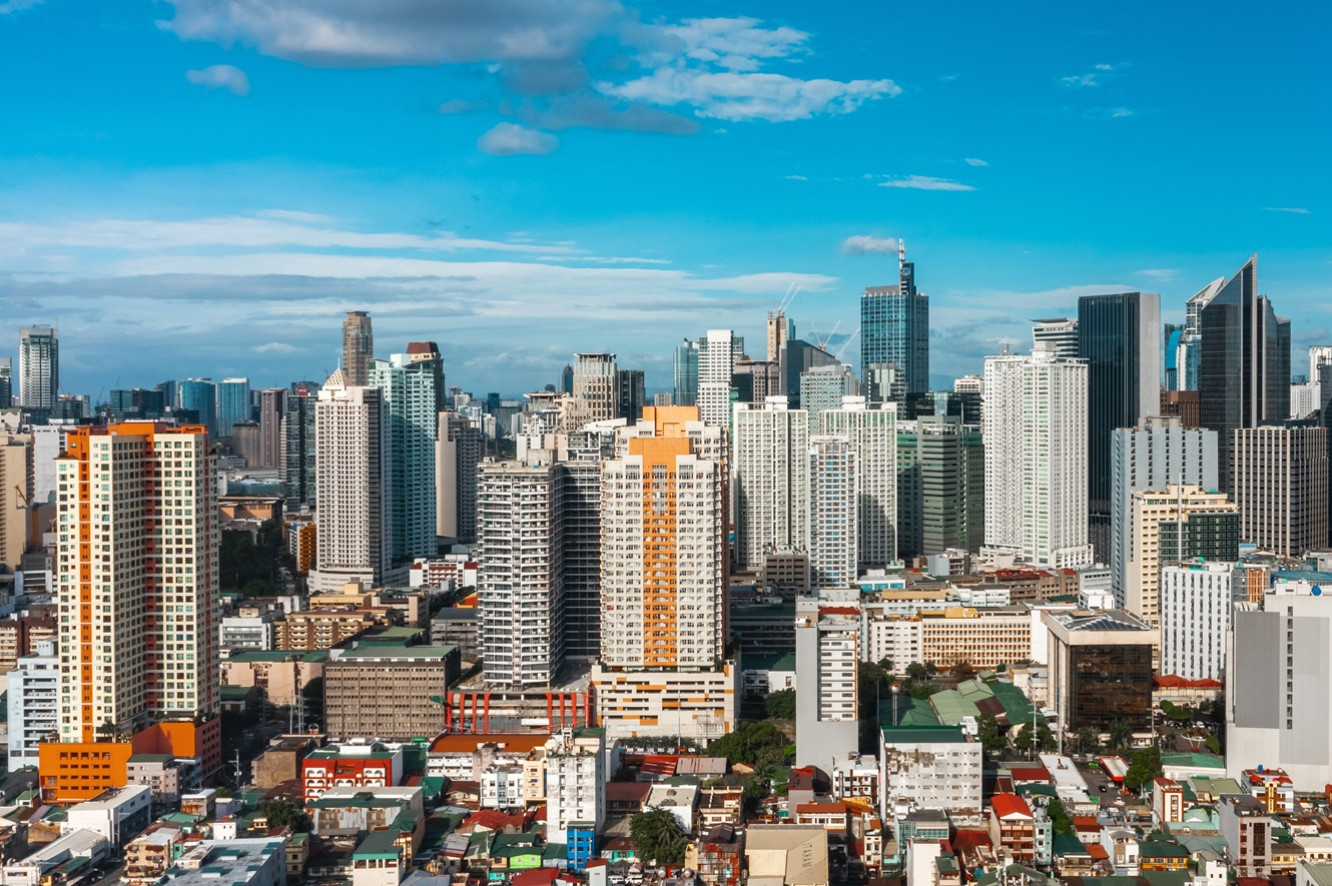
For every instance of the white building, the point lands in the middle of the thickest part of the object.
(770, 480)
(39, 867)
(245, 862)
(246, 632)
(1158, 454)
(872, 433)
(353, 469)
(834, 493)
(117, 815)
(1035, 429)
(717, 352)
(502, 787)
(1196, 605)
(1161, 522)
(827, 656)
(576, 776)
(594, 388)
(934, 767)
(34, 704)
(39, 367)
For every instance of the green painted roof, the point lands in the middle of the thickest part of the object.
(1193, 760)
(1161, 849)
(377, 844)
(923, 734)
(1166, 878)
(783, 662)
(314, 655)
(396, 651)
(1067, 844)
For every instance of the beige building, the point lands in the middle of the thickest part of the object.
(385, 692)
(594, 388)
(320, 628)
(1281, 488)
(15, 496)
(278, 674)
(358, 347)
(787, 855)
(1142, 572)
(137, 576)
(983, 638)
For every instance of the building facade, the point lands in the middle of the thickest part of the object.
(834, 493)
(358, 348)
(1161, 523)
(299, 452)
(940, 486)
(871, 432)
(770, 482)
(1281, 486)
(39, 367)
(595, 388)
(1197, 600)
(895, 331)
(407, 383)
(827, 697)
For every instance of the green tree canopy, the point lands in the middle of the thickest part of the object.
(1145, 766)
(285, 813)
(658, 836)
(1120, 735)
(747, 742)
(780, 705)
(1044, 741)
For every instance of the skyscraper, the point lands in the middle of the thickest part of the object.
(799, 357)
(16, 477)
(1035, 429)
(1060, 332)
(353, 467)
(233, 404)
(358, 348)
(6, 382)
(895, 330)
(138, 580)
(631, 394)
(1119, 337)
(717, 353)
(595, 388)
(833, 495)
(823, 388)
(1243, 360)
(272, 409)
(872, 432)
(1281, 487)
(299, 455)
(1161, 520)
(770, 467)
(941, 486)
(780, 331)
(684, 373)
(198, 398)
(408, 384)
(39, 367)
(458, 451)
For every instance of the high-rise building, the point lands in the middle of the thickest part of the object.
(1160, 520)
(1243, 359)
(895, 330)
(827, 677)
(1100, 668)
(520, 576)
(16, 479)
(631, 394)
(1119, 337)
(770, 482)
(39, 367)
(299, 455)
(1035, 430)
(579, 473)
(138, 580)
(1281, 487)
(755, 380)
(872, 432)
(940, 486)
(822, 388)
(408, 385)
(595, 388)
(1196, 604)
(1060, 332)
(833, 497)
(799, 357)
(33, 703)
(198, 400)
(1319, 355)
(780, 331)
(1157, 453)
(6, 382)
(566, 379)
(233, 403)
(684, 373)
(353, 467)
(458, 452)
(427, 352)
(272, 409)
(717, 352)
(358, 348)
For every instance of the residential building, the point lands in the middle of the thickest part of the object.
(354, 471)
(1012, 828)
(138, 519)
(458, 453)
(320, 627)
(895, 331)
(595, 388)
(299, 453)
(871, 432)
(16, 481)
(1281, 487)
(1243, 359)
(1100, 668)
(770, 464)
(797, 358)
(1036, 458)
(823, 388)
(928, 767)
(33, 704)
(1154, 454)
(358, 349)
(272, 410)
(116, 816)
(576, 779)
(1246, 826)
(1197, 600)
(242, 862)
(39, 367)
(408, 386)
(834, 486)
(43, 865)
(940, 486)
(1119, 337)
(379, 690)
(1204, 522)
(1060, 332)
(787, 855)
(827, 696)
(358, 765)
(718, 351)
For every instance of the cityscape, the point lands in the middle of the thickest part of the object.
(606, 495)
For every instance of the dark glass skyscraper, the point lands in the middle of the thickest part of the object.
(1120, 338)
(1244, 360)
(895, 331)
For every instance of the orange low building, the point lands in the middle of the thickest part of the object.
(71, 772)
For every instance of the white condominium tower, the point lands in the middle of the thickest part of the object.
(39, 367)
(1035, 430)
(137, 516)
(594, 388)
(663, 550)
(717, 353)
(770, 460)
(353, 467)
(833, 491)
(872, 433)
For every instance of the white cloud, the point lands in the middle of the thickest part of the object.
(1121, 112)
(1094, 77)
(17, 5)
(226, 77)
(735, 44)
(1297, 210)
(926, 183)
(508, 139)
(750, 96)
(796, 178)
(868, 244)
(1080, 80)
(275, 347)
(1158, 273)
(976, 161)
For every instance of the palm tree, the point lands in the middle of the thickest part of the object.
(658, 836)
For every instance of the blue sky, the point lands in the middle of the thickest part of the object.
(201, 187)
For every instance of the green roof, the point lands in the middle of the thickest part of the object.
(1167, 878)
(923, 734)
(236, 693)
(397, 651)
(314, 655)
(1161, 849)
(1016, 704)
(910, 712)
(155, 758)
(1036, 790)
(555, 851)
(786, 661)
(1193, 760)
(377, 844)
(432, 786)
(407, 820)
(1067, 844)
(357, 802)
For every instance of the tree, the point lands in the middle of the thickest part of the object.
(747, 742)
(1213, 745)
(1087, 740)
(284, 813)
(963, 670)
(1044, 740)
(1146, 766)
(658, 836)
(780, 705)
(987, 732)
(1059, 817)
(917, 671)
(1174, 711)
(1120, 735)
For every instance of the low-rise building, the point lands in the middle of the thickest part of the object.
(787, 855)
(719, 806)
(383, 691)
(679, 800)
(53, 864)
(279, 675)
(320, 628)
(1012, 827)
(348, 811)
(117, 815)
(718, 855)
(244, 862)
(699, 704)
(937, 767)
(33, 704)
(1247, 828)
(350, 765)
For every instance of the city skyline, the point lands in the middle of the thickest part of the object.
(221, 192)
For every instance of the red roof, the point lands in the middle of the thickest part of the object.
(965, 838)
(627, 791)
(494, 820)
(1005, 805)
(1030, 773)
(1171, 681)
(659, 764)
(535, 877)
(1097, 852)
